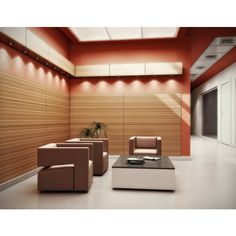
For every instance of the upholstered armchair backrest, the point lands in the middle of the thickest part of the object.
(89, 145)
(105, 142)
(146, 142)
(50, 154)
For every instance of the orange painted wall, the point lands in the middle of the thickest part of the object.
(133, 52)
(55, 38)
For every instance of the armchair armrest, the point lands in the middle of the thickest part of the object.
(78, 156)
(159, 146)
(131, 145)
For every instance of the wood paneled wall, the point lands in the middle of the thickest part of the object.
(157, 115)
(153, 114)
(105, 108)
(32, 114)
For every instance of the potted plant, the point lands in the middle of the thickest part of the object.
(86, 132)
(97, 129)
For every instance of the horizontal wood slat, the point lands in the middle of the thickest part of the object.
(170, 134)
(105, 108)
(17, 163)
(115, 135)
(152, 109)
(32, 114)
(126, 116)
(20, 138)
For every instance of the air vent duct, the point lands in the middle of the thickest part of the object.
(226, 42)
(200, 67)
(211, 57)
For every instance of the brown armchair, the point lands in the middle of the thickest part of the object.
(145, 145)
(100, 158)
(65, 168)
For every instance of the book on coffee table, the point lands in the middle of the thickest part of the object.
(151, 158)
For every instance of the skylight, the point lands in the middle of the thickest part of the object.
(91, 33)
(123, 33)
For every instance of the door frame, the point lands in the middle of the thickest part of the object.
(220, 111)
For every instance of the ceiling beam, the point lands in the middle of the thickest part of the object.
(219, 66)
(69, 34)
(182, 32)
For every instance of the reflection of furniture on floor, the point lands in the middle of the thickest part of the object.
(65, 168)
(156, 175)
(145, 145)
(100, 158)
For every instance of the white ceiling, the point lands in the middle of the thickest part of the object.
(217, 49)
(123, 33)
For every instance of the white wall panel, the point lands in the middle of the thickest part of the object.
(164, 68)
(16, 33)
(92, 70)
(36, 44)
(127, 69)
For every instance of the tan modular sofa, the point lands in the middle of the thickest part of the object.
(65, 168)
(100, 158)
(145, 145)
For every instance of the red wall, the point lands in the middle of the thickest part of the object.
(170, 50)
(55, 38)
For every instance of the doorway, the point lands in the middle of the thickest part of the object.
(210, 114)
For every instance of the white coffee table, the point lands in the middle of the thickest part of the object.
(153, 175)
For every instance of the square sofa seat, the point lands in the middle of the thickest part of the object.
(146, 142)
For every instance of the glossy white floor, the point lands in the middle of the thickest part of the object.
(208, 180)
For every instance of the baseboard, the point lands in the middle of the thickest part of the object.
(18, 179)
